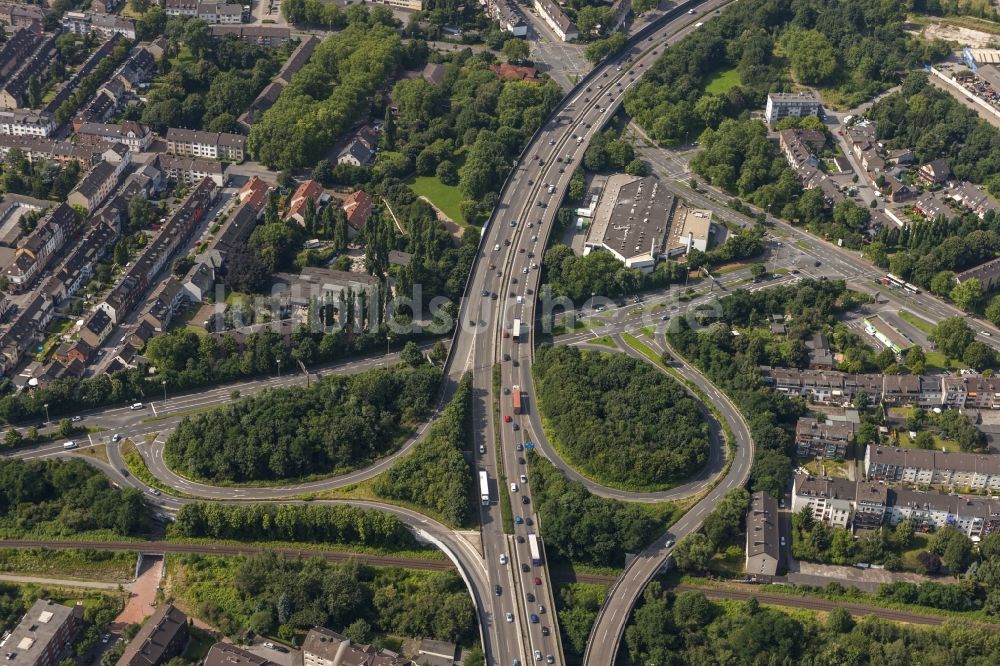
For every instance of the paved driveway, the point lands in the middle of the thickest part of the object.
(141, 603)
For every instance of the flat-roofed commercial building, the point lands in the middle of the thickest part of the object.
(632, 221)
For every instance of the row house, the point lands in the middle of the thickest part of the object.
(972, 392)
(830, 440)
(800, 146)
(36, 250)
(17, 49)
(987, 273)
(840, 388)
(190, 170)
(163, 304)
(37, 149)
(269, 95)
(162, 637)
(26, 330)
(78, 267)
(98, 184)
(69, 86)
(235, 232)
(211, 145)
(973, 198)
(155, 256)
(96, 328)
(928, 467)
(25, 122)
(19, 16)
(268, 36)
(256, 192)
(14, 90)
(931, 206)
(763, 550)
(121, 88)
(135, 136)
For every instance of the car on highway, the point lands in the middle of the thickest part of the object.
(516, 427)
(70, 445)
(519, 447)
(155, 491)
(524, 565)
(115, 437)
(520, 539)
(518, 520)
(503, 558)
(510, 618)
(486, 292)
(528, 521)
(513, 487)
(524, 478)
(498, 590)
(520, 461)
(541, 609)
(524, 499)
(506, 418)
(550, 659)
(534, 619)
(782, 541)
(538, 581)
(136, 406)
(670, 543)
(545, 631)
(538, 655)
(123, 471)
(530, 597)
(77, 419)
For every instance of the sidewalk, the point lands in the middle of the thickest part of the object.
(62, 582)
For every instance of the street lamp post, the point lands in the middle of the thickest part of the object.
(164, 382)
(47, 419)
(279, 366)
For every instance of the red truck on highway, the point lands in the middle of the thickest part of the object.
(515, 398)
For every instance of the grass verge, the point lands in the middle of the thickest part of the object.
(137, 468)
(69, 564)
(918, 322)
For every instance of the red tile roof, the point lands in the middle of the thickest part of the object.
(358, 206)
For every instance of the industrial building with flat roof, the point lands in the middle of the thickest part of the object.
(691, 229)
(632, 221)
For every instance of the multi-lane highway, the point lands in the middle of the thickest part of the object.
(502, 289)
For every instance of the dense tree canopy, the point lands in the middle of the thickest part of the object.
(436, 475)
(58, 498)
(618, 419)
(326, 96)
(334, 425)
(583, 528)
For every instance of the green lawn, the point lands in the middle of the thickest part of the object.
(446, 197)
(722, 80)
(909, 557)
(918, 322)
(949, 445)
(938, 361)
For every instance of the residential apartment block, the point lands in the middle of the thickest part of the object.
(505, 13)
(38, 149)
(763, 551)
(550, 12)
(784, 105)
(226, 654)
(269, 36)
(210, 145)
(191, 170)
(323, 647)
(867, 505)
(162, 637)
(25, 122)
(19, 16)
(98, 184)
(987, 273)
(24, 55)
(926, 467)
(105, 25)
(44, 635)
(130, 133)
(830, 440)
